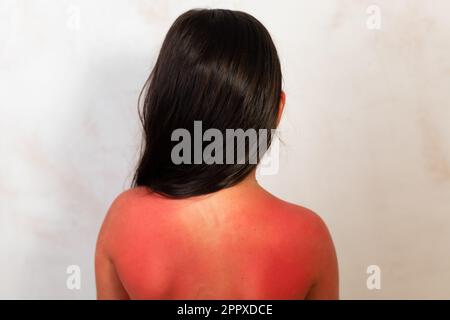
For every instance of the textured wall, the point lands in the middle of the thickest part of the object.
(366, 132)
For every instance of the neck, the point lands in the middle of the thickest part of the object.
(241, 190)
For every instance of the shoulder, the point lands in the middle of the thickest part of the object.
(311, 222)
(130, 199)
(315, 245)
(134, 201)
(308, 232)
(303, 221)
(124, 216)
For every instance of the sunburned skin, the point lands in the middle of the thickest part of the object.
(238, 243)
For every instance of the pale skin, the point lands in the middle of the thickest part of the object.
(237, 243)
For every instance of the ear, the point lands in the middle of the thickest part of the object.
(281, 106)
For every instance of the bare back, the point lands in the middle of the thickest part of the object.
(241, 243)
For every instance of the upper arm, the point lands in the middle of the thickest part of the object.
(326, 283)
(109, 286)
(108, 283)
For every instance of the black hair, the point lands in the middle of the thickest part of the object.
(216, 66)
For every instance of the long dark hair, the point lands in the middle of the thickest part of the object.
(215, 66)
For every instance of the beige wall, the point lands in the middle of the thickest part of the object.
(366, 132)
